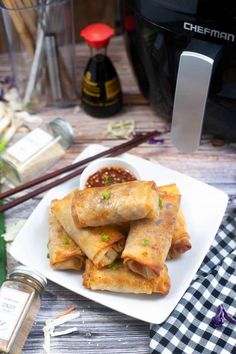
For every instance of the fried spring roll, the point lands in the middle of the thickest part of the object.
(63, 251)
(115, 204)
(61, 208)
(102, 245)
(148, 242)
(121, 279)
(181, 238)
(70, 264)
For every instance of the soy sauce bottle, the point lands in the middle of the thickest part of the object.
(101, 94)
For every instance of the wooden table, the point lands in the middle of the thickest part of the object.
(101, 330)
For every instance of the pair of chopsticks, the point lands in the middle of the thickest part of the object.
(114, 151)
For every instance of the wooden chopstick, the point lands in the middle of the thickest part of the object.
(73, 166)
(116, 150)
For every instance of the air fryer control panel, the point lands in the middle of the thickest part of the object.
(215, 15)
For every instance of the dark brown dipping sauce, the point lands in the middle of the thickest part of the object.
(109, 175)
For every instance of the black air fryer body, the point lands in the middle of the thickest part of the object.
(158, 31)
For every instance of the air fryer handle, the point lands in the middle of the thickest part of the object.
(193, 81)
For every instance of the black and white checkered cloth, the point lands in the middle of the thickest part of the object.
(189, 328)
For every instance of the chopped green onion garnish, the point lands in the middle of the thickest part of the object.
(160, 203)
(105, 238)
(145, 242)
(48, 255)
(107, 180)
(106, 195)
(113, 266)
(65, 240)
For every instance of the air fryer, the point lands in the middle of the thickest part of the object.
(183, 54)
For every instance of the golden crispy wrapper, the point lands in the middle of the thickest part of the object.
(181, 238)
(101, 244)
(61, 208)
(63, 251)
(115, 204)
(70, 264)
(148, 242)
(121, 279)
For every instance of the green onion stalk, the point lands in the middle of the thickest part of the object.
(7, 137)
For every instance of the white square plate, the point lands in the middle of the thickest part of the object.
(204, 208)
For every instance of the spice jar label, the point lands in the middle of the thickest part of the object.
(29, 145)
(12, 303)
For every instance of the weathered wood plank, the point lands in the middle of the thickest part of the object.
(116, 332)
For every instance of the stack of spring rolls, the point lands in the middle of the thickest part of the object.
(121, 234)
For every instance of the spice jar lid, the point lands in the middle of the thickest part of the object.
(32, 273)
(62, 128)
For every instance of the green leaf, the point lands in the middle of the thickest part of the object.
(3, 254)
(3, 144)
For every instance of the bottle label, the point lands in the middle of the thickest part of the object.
(112, 88)
(12, 303)
(29, 145)
(89, 87)
(102, 94)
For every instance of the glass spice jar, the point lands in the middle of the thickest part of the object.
(36, 152)
(19, 305)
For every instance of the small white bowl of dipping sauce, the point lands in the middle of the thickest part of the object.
(107, 171)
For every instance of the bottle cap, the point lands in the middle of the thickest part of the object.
(97, 35)
(21, 269)
(62, 128)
